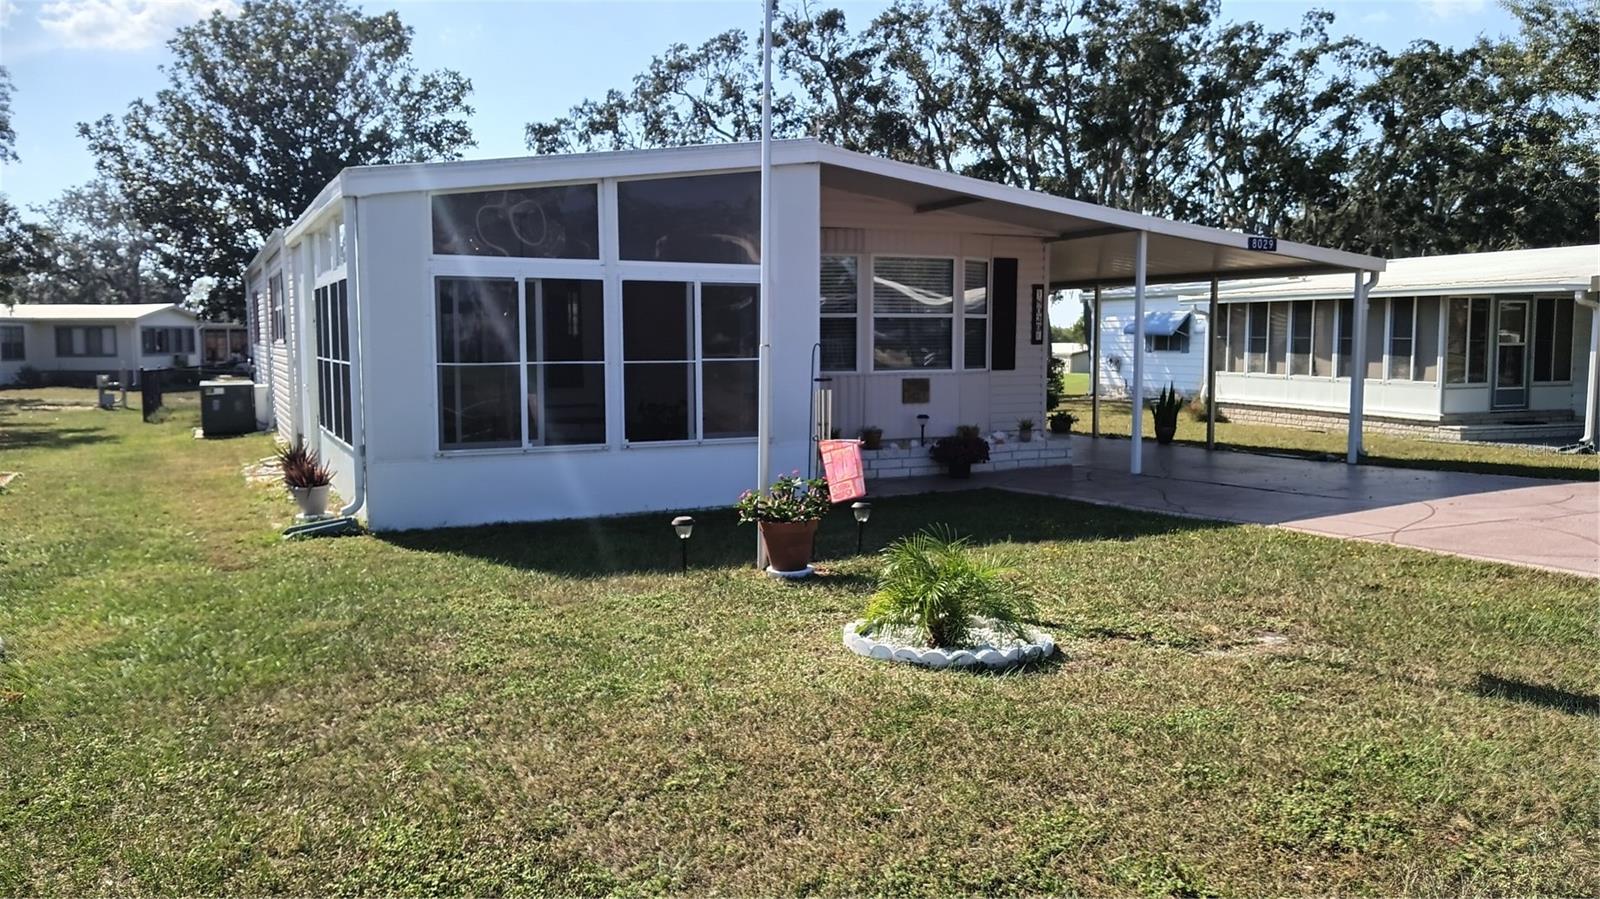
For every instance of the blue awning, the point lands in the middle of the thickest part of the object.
(1162, 324)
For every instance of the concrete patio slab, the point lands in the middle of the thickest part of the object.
(1521, 521)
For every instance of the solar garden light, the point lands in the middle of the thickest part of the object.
(862, 512)
(922, 425)
(684, 525)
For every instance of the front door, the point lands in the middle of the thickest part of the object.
(1511, 355)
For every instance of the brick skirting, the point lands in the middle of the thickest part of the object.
(905, 459)
(1312, 420)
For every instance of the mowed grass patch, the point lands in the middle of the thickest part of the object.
(1379, 449)
(190, 705)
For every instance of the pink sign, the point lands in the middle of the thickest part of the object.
(841, 463)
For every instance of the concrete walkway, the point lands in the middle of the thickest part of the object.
(1522, 521)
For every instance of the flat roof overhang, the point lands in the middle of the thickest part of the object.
(1089, 245)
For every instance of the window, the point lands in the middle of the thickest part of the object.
(1426, 367)
(1376, 316)
(665, 366)
(1278, 339)
(91, 340)
(566, 362)
(840, 283)
(12, 344)
(162, 341)
(1256, 345)
(333, 359)
(707, 218)
(1238, 315)
(275, 301)
(1466, 345)
(1402, 333)
(1177, 342)
(1347, 337)
(1552, 339)
(913, 312)
(480, 380)
(1324, 333)
(975, 313)
(1300, 328)
(533, 223)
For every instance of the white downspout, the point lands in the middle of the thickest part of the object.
(1358, 365)
(1136, 429)
(358, 440)
(1591, 406)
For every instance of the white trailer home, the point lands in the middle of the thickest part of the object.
(570, 336)
(1175, 348)
(71, 343)
(1476, 346)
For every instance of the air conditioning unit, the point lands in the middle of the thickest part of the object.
(227, 407)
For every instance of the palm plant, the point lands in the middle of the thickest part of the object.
(937, 583)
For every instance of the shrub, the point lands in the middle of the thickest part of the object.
(302, 468)
(790, 498)
(960, 450)
(1200, 405)
(1055, 390)
(937, 583)
(1167, 405)
(28, 376)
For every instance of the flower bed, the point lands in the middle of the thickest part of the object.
(988, 648)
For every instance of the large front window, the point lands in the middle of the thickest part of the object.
(704, 218)
(12, 345)
(689, 360)
(480, 380)
(88, 340)
(534, 222)
(333, 358)
(161, 341)
(913, 313)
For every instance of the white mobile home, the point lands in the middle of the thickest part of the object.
(71, 343)
(569, 336)
(1174, 342)
(1484, 345)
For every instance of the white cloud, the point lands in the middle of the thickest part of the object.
(1449, 9)
(121, 24)
(8, 8)
(1377, 18)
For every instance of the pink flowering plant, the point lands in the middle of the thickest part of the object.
(791, 498)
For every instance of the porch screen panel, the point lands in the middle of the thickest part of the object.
(1238, 314)
(1278, 339)
(1402, 331)
(566, 361)
(840, 306)
(704, 218)
(1347, 337)
(1552, 339)
(332, 309)
(1456, 325)
(729, 335)
(1478, 341)
(658, 370)
(1427, 340)
(480, 378)
(1300, 328)
(1256, 346)
(913, 312)
(1376, 310)
(1323, 334)
(530, 223)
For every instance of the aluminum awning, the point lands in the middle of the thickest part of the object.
(1161, 324)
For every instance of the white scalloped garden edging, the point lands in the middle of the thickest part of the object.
(1039, 645)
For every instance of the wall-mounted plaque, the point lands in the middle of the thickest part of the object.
(1036, 333)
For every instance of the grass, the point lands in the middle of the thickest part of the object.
(189, 704)
(1075, 383)
(1380, 449)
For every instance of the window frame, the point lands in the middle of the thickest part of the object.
(527, 313)
(20, 340)
(340, 396)
(277, 317)
(1467, 355)
(958, 347)
(1535, 336)
(104, 353)
(987, 317)
(854, 317)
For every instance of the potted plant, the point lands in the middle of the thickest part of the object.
(872, 437)
(1061, 422)
(307, 478)
(786, 516)
(1166, 408)
(1025, 430)
(959, 453)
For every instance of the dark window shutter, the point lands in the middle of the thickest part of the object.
(1003, 317)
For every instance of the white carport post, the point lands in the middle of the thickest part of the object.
(1358, 366)
(1136, 430)
(764, 363)
(1591, 406)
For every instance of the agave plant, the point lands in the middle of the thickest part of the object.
(937, 583)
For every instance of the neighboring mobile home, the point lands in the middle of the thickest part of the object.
(70, 343)
(570, 336)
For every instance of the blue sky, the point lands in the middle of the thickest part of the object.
(75, 60)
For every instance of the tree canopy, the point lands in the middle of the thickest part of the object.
(263, 107)
(1163, 107)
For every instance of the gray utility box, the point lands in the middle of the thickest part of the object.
(227, 408)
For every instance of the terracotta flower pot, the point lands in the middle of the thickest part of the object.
(788, 543)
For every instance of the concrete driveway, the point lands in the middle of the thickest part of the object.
(1523, 521)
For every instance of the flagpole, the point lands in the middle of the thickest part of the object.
(764, 365)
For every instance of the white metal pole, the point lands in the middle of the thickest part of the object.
(1358, 369)
(1211, 368)
(1140, 249)
(1591, 406)
(764, 366)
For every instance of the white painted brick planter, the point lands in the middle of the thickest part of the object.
(905, 459)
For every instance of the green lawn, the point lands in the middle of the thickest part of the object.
(1381, 449)
(189, 704)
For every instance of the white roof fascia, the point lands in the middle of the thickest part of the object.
(325, 205)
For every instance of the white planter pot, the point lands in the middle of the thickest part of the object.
(313, 501)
